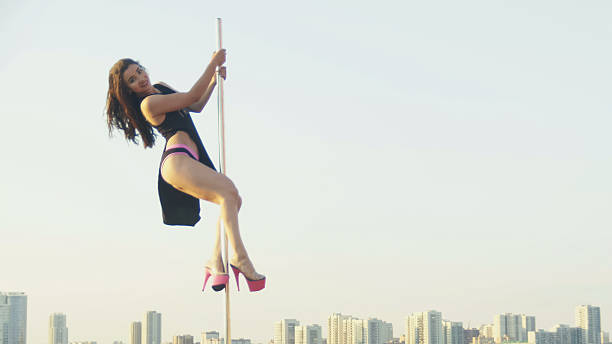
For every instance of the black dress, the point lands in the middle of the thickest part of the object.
(179, 208)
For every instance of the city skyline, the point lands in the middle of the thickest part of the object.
(427, 327)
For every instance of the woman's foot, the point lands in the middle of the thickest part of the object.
(246, 268)
(254, 280)
(215, 264)
(214, 267)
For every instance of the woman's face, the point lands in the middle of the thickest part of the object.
(137, 80)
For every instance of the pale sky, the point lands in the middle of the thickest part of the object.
(393, 157)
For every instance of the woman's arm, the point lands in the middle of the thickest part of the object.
(199, 105)
(156, 105)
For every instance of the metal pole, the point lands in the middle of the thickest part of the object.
(220, 109)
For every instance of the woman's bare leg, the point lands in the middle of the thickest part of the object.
(198, 180)
(216, 261)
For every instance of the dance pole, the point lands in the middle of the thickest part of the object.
(220, 110)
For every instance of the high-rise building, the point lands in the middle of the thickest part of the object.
(510, 327)
(588, 318)
(152, 330)
(184, 339)
(300, 334)
(209, 335)
(562, 334)
(452, 332)
(345, 329)
(373, 331)
(469, 334)
(4, 320)
(354, 331)
(387, 332)
(605, 337)
(541, 337)
(507, 327)
(577, 335)
(424, 328)
(314, 334)
(487, 331)
(528, 323)
(136, 332)
(334, 328)
(377, 331)
(13, 317)
(58, 332)
(500, 327)
(308, 334)
(212, 337)
(358, 331)
(284, 331)
(433, 327)
(414, 329)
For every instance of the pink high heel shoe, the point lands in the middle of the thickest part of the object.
(254, 285)
(219, 280)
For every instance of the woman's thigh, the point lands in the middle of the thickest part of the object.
(196, 179)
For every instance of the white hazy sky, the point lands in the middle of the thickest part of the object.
(393, 157)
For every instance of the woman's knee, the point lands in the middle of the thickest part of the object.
(230, 194)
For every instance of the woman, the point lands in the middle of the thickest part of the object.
(186, 173)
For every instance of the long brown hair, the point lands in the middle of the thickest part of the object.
(123, 107)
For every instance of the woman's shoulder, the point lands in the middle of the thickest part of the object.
(163, 84)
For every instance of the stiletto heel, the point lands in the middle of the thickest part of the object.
(236, 274)
(206, 276)
(254, 285)
(219, 280)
